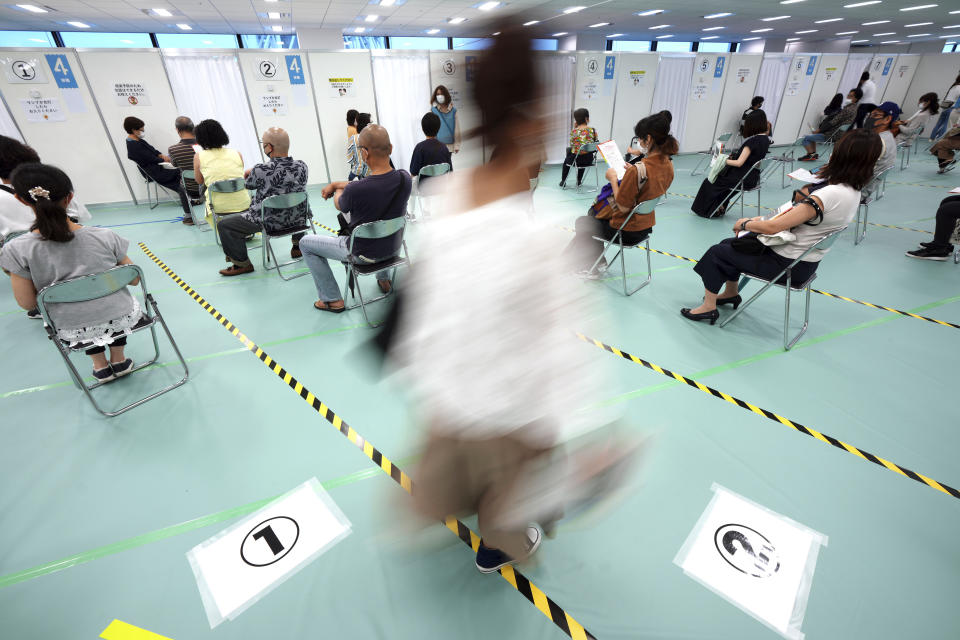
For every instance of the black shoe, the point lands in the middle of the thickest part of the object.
(121, 369)
(490, 560)
(712, 316)
(734, 300)
(104, 375)
(188, 221)
(34, 314)
(563, 184)
(928, 253)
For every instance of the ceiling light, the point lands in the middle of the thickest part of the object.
(600, 24)
(456, 20)
(127, 41)
(527, 24)
(709, 37)
(860, 4)
(79, 25)
(920, 24)
(856, 41)
(659, 26)
(753, 38)
(952, 12)
(920, 6)
(277, 27)
(371, 18)
(663, 37)
(792, 39)
(885, 33)
(273, 15)
(867, 24)
(573, 9)
(918, 35)
(184, 27)
(828, 20)
(713, 28)
(387, 3)
(488, 6)
(789, 1)
(359, 29)
(760, 30)
(432, 31)
(954, 35)
(653, 12)
(562, 33)
(614, 35)
(774, 18)
(32, 8)
(807, 31)
(716, 15)
(952, 26)
(208, 42)
(890, 42)
(161, 12)
(47, 41)
(846, 33)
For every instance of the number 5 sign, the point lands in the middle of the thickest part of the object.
(243, 563)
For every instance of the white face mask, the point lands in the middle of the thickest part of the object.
(441, 99)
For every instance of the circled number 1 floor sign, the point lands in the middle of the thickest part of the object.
(244, 562)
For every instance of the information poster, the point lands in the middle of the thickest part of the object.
(743, 74)
(130, 93)
(268, 69)
(22, 69)
(829, 72)
(590, 90)
(700, 91)
(43, 110)
(272, 104)
(341, 87)
(793, 88)
(638, 78)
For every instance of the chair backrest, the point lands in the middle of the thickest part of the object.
(230, 185)
(284, 200)
(10, 236)
(376, 230)
(827, 241)
(143, 174)
(534, 183)
(588, 147)
(188, 174)
(725, 137)
(646, 207)
(433, 170)
(90, 287)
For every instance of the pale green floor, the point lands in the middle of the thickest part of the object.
(73, 483)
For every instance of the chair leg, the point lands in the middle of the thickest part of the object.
(860, 230)
(744, 305)
(696, 168)
(649, 272)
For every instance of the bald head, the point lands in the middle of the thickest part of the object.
(279, 139)
(376, 141)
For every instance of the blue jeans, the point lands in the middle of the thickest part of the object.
(316, 251)
(814, 138)
(941, 127)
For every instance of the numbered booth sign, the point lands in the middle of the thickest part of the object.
(243, 563)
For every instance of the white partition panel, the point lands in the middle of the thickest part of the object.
(636, 82)
(857, 63)
(672, 91)
(8, 127)
(739, 89)
(402, 79)
(281, 95)
(133, 83)
(342, 80)
(454, 70)
(54, 109)
(936, 73)
(595, 89)
(796, 96)
(880, 69)
(557, 73)
(900, 77)
(706, 94)
(771, 83)
(825, 85)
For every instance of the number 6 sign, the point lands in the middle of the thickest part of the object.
(243, 563)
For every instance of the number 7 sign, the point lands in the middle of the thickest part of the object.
(62, 73)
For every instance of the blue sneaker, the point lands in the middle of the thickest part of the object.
(490, 560)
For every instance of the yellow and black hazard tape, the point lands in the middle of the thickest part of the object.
(516, 579)
(326, 228)
(849, 448)
(893, 226)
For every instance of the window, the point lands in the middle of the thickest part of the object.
(26, 39)
(714, 47)
(467, 43)
(196, 40)
(273, 41)
(673, 47)
(544, 44)
(403, 42)
(363, 42)
(117, 40)
(630, 45)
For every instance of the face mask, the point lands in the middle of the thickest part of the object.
(870, 123)
(845, 102)
(441, 99)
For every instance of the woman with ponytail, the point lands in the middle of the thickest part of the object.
(58, 249)
(648, 179)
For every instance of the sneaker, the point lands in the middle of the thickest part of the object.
(940, 255)
(34, 314)
(121, 369)
(490, 560)
(947, 166)
(104, 375)
(810, 157)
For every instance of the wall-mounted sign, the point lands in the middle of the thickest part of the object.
(295, 70)
(608, 67)
(43, 110)
(130, 94)
(267, 69)
(592, 66)
(638, 78)
(448, 67)
(742, 74)
(341, 87)
(23, 69)
(62, 73)
(272, 104)
(718, 70)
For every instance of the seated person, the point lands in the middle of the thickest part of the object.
(382, 195)
(182, 153)
(940, 249)
(430, 151)
(712, 198)
(911, 128)
(216, 162)
(648, 179)
(944, 148)
(358, 168)
(879, 121)
(149, 159)
(850, 169)
(59, 249)
(282, 174)
(635, 154)
(834, 106)
(831, 126)
(581, 134)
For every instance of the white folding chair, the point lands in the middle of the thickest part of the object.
(907, 145)
(5, 240)
(706, 155)
(645, 208)
(154, 199)
(872, 192)
(788, 286)
(101, 285)
(429, 171)
(190, 174)
(358, 265)
(268, 208)
(586, 149)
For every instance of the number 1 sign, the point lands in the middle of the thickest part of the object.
(243, 563)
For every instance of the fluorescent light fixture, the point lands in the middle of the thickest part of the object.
(827, 20)
(790, 1)
(918, 35)
(792, 39)
(161, 12)
(885, 33)
(78, 25)
(208, 42)
(709, 37)
(659, 26)
(32, 8)
(359, 29)
(753, 38)
(273, 15)
(920, 24)
(713, 28)
(42, 40)
(774, 18)
(557, 35)
(760, 30)
(664, 37)
(857, 41)
(716, 15)
(569, 10)
(954, 35)
(952, 26)
(371, 18)
(432, 31)
(860, 4)
(890, 42)
(600, 24)
(456, 20)
(867, 24)
(184, 27)
(953, 12)
(653, 12)
(614, 35)
(807, 31)
(387, 3)
(488, 6)
(277, 27)
(527, 24)
(846, 33)
(920, 6)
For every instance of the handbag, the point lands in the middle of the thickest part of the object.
(946, 104)
(749, 245)
(717, 165)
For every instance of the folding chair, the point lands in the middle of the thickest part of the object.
(93, 287)
(587, 148)
(643, 209)
(739, 190)
(908, 143)
(706, 155)
(785, 158)
(279, 203)
(874, 192)
(4, 240)
(190, 174)
(230, 185)
(429, 171)
(152, 200)
(359, 265)
(789, 286)
(955, 241)
(534, 183)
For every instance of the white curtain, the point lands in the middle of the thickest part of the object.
(7, 126)
(771, 82)
(856, 65)
(672, 92)
(402, 81)
(210, 86)
(557, 77)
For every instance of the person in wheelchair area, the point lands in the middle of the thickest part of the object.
(58, 249)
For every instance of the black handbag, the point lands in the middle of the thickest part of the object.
(749, 245)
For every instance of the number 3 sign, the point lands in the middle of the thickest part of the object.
(242, 563)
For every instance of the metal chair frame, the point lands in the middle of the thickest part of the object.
(908, 143)
(352, 266)
(534, 183)
(93, 287)
(738, 191)
(197, 221)
(642, 209)
(708, 154)
(587, 148)
(824, 243)
(430, 171)
(4, 240)
(279, 203)
(154, 200)
(229, 185)
(863, 210)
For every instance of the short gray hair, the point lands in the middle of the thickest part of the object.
(183, 124)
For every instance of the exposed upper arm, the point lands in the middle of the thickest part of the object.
(24, 291)
(741, 159)
(198, 177)
(795, 217)
(127, 260)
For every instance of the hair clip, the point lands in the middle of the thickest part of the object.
(39, 192)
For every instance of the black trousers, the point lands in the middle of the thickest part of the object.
(583, 250)
(170, 179)
(118, 342)
(947, 215)
(582, 160)
(722, 263)
(862, 112)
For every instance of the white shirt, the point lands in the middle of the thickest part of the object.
(915, 124)
(840, 203)
(16, 216)
(953, 94)
(869, 89)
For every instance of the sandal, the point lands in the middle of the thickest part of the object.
(326, 307)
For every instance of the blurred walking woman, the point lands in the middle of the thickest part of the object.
(442, 104)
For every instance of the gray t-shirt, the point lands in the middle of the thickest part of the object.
(889, 155)
(92, 250)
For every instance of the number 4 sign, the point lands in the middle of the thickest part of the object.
(295, 70)
(62, 73)
(243, 563)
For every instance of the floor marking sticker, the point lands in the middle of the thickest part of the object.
(120, 630)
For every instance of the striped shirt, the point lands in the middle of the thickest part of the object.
(182, 156)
